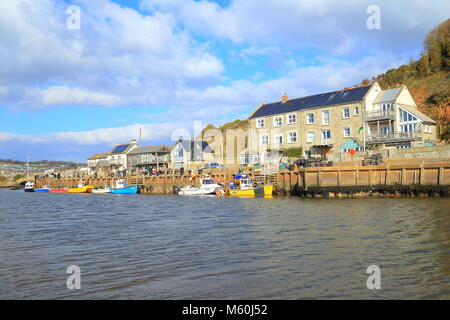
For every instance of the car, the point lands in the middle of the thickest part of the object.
(213, 165)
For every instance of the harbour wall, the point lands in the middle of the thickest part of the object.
(422, 180)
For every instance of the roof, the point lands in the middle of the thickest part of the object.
(417, 113)
(99, 156)
(388, 95)
(149, 149)
(319, 100)
(188, 145)
(121, 148)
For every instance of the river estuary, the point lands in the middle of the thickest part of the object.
(172, 247)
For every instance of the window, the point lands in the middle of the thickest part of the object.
(356, 111)
(427, 128)
(385, 130)
(310, 137)
(260, 123)
(326, 117)
(277, 121)
(278, 138)
(346, 113)
(264, 139)
(346, 132)
(326, 134)
(406, 116)
(310, 118)
(408, 127)
(292, 136)
(404, 146)
(292, 118)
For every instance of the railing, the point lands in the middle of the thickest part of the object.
(322, 142)
(393, 137)
(161, 159)
(381, 114)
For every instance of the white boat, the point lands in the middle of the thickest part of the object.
(29, 187)
(105, 189)
(207, 186)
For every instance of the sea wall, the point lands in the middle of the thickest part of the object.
(338, 181)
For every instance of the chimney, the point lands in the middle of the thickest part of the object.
(133, 141)
(284, 98)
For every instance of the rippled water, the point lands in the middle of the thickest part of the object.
(170, 247)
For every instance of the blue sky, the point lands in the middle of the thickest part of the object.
(160, 65)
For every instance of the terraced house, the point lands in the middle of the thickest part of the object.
(354, 118)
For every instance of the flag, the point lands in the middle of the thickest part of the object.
(360, 129)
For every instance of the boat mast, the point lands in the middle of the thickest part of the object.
(28, 169)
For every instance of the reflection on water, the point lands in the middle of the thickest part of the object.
(170, 247)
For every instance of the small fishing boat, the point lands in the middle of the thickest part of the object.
(29, 187)
(105, 189)
(207, 187)
(122, 187)
(81, 188)
(247, 189)
(60, 190)
(43, 189)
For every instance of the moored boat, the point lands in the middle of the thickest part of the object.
(43, 189)
(29, 187)
(60, 190)
(247, 189)
(105, 189)
(122, 187)
(81, 188)
(207, 187)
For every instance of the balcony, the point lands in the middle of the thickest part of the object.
(394, 137)
(380, 115)
(323, 142)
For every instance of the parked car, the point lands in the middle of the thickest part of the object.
(213, 165)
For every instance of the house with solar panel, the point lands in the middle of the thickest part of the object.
(353, 118)
(149, 158)
(114, 162)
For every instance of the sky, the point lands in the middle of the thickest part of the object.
(74, 83)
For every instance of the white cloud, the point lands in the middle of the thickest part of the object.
(335, 26)
(117, 52)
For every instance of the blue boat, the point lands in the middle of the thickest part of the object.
(29, 187)
(44, 189)
(123, 188)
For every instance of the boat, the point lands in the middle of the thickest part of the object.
(247, 189)
(60, 190)
(43, 189)
(29, 187)
(122, 187)
(105, 189)
(207, 187)
(81, 188)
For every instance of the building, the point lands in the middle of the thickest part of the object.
(113, 162)
(354, 118)
(148, 158)
(189, 154)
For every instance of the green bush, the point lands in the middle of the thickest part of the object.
(293, 152)
(18, 177)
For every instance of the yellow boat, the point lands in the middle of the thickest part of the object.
(246, 189)
(81, 188)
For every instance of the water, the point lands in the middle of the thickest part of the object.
(171, 247)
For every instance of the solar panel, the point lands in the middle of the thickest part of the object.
(120, 148)
(318, 100)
